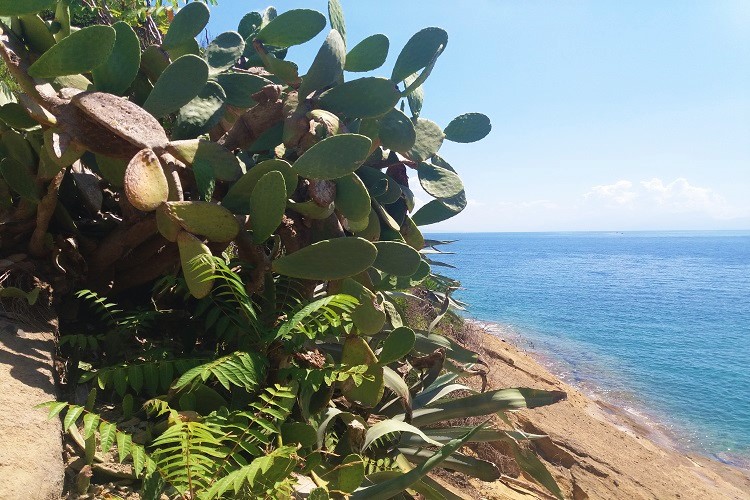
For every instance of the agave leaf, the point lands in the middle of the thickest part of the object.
(530, 464)
(474, 467)
(78, 53)
(368, 55)
(293, 27)
(390, 426)
(427, 343)
(446, 434)
(395, 383)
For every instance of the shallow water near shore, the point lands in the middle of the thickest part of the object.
(656, 323)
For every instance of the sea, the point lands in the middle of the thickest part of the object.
(657, 323)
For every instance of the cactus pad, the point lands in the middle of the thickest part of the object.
(328, 260)
(197, 264)
(239, 88)
(292, 28)
(178, 84)
(370, 391)
(396, 258)
(439, 182)
(20, 179)
(145, 183)
(470, 127)
(266, 206)
(223, 163)
(207, 219)
(238, 196)
(327, 67)
(361, 98)
(368, 55)
(224, 51)
(333, 157)
(202, 113)
(397, 131)
(187, 24)
(117, 74)
(429, 140)
(419, 52)
(20, 7)
(78, 53)
(352, 198)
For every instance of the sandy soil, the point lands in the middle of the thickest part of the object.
(31, 466)
(595, 450)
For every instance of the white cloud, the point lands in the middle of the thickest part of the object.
(679, 196)
(618, 194)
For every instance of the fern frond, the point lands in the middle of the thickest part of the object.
(153, 376)
(260, 478)
(241, 369)
(317, 317)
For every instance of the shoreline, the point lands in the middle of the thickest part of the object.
(595, 448)
(619, 412)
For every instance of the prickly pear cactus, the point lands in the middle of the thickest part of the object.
(136, 150)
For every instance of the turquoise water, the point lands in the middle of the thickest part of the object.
(657, 322)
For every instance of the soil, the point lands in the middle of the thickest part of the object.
(31, 466)
(594, 450)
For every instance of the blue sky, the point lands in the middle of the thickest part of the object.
(606, 115)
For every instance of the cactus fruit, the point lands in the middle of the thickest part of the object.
(332, 259)
(333, 157)
(362, 98)
(80, 52)
(207, 219)
(293, 27)
(368, 55)
(266, 205)
(145, 183)
(469, 127)
(119, 71)
(186, 25)
(178, 84)
(419, 52)
(197, 264)
(396, 258)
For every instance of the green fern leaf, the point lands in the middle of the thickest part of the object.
(90, 423)
(240, 369)
(107, 434)
(74, 412)
(315, 318)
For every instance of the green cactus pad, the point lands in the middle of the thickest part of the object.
(397, 345)
(439, 182)
(352, 198)
(361, 98)
(372, 231)
(36, 33)
(190, 47)
(392, 193)
(249, 24)
(145, 183)
(207, 219)
(429, 140)
(117, 74)
(397, 131)
(396, 258)
(187, 24)
(333, 157)
(375, 180)
(327, 67)
(225, 166)
(455, 203)
(237, 198)
(433, 212)
(415, 98)
(78, 53)
(202, 113)
(328, 260)
(268, 139)
(240, 87)
(419, 52)
(312, 210)
(18, 148)
(470, 127)
(20, 178)
(266, 206)
(112, 169)
(336, 18)
(370, 391)
(48, 168)
(154, 61)
(292, 28)
(62, 16)
(197, 264)
(412, 235)
(15, 115)
(368, 55)
(126, 119)
(286, 71)
(369, 316)
(224, 51)
(21, 7)
(182, 81)
(166, 225)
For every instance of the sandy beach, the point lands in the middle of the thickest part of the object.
(595, 449)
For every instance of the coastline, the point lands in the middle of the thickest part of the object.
(596, 448)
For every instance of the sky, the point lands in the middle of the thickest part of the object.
(606, 115)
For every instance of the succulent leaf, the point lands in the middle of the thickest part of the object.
(202, 113)
(266, 205)
(117, 74)
(333, 157)
(419, 52)
(178, 84)
(224, 51)
(368, 55)
(36, 33)
(369, 392)
(207, 219)
(197, 264)
(145, 184)
(249, 24)
(225, 166)
(415, 98)
(412, 235)
(396, 258)
(312, 210)
(439, 182)
(369, 316)
(15, 116)
(429, 140)
(397, 131)
(332, 259)
(336, 18)
(292, 28)
(18, 148)
(112, 169)
(18, 8)
(433, 212)
(20, 178)
(352, 198)
(154, 61)
(237, 198)
(397, 345)
(469, 127)
(240, 87)
(78, 53)
(327, 67)
(362, 98)
(187, 24)
(166, 225)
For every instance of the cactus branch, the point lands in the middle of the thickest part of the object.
(44, 213)
(256, 120)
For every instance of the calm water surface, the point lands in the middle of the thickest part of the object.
(658, 322)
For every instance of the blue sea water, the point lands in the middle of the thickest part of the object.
(658, 322)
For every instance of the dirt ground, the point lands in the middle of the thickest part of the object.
(31, 466)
